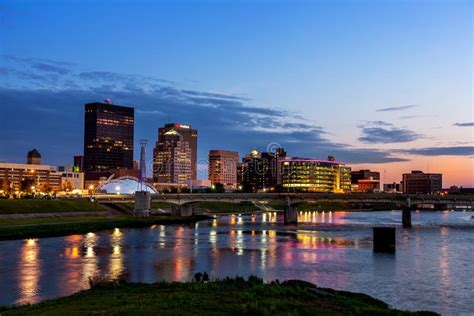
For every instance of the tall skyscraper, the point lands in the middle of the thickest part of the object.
(223, 168)
(108, 137)
(175, 154)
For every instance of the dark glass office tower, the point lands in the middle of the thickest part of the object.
(108, 137)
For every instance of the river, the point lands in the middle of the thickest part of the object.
(432, 268)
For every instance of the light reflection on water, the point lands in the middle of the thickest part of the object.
(30, 272)
(332, 249)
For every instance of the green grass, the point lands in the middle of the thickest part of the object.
(163, 205)
(47, 206)
(226, 297)
(49, 220)
(88, 225)
(225, 207)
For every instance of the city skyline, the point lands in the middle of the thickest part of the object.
(357, 105)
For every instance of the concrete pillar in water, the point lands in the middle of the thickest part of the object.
(185, 210)
(384, 239)
(406, 214)
(142, 204)
(291, 214)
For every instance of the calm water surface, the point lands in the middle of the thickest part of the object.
(433, 267)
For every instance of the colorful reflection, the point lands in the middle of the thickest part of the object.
(89, 263)
(323, 217)
(73, 243)
(29, 272)
(116, 258)
(320, 250)
(309, 240)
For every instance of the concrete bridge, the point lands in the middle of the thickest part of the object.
(406, 202)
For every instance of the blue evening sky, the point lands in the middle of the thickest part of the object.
(380, 84)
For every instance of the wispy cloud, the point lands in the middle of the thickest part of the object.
(465, 124)
(406, 117)
(49, 94)
(51, 68)
(383, 135)
(439, 151)
(396, 108)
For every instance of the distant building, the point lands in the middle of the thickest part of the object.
(223, 168)
(392, 187)
(108, 138)
(454, 190)
(71, 179)
(175, 154)
(311, 175)
(259, 170)
(240, 174)
(78, 163)
(198, 185)
(365, 181)
(420, 182)
(33, 157)
(30, 177)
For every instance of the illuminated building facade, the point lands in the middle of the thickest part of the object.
(223, 168)
(29, 177)
(310, 175)
(420, 182)
(259, 170)
(365, 181)
(108, 138)
(174, 156)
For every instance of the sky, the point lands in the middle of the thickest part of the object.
(385, 85)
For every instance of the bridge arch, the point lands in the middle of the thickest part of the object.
(125, 185)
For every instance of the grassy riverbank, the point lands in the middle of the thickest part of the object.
(50, 227)
(230, 296)
(8, 206)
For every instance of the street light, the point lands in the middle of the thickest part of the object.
(117, 188)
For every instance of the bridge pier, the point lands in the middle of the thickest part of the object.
(185, 210)
(142, 204)
(291, 215)
(406, 214)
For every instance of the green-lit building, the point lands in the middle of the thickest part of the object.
(310, 175)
